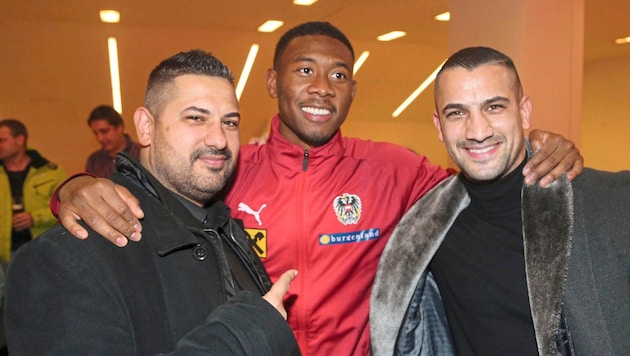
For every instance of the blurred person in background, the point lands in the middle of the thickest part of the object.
(109, 129)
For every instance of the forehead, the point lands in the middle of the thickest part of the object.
(196, 89)
(5, 132)
(100, 124)
(317, 47)
(485, 81)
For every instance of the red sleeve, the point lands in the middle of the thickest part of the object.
(54, 200)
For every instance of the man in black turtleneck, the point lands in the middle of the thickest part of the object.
(483, 265)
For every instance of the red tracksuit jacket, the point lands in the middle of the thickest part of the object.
(327, 212)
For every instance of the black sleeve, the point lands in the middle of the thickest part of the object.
(246, 325)
(55, 304)
(58, 302)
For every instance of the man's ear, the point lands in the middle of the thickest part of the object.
(145, 123)
(272, 82)
(21, 140)
(438, 125)
(526, 112)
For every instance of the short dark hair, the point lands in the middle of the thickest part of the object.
(16, 127)
(195, 61)
(473, 57)
(106, 112)
(309, 29)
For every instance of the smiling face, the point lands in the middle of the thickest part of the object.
(481, 118)
(193, 141)
(111, 138)
(314, 87)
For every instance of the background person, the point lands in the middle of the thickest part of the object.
(27, 182)
(109, 129)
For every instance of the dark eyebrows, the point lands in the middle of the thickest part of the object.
(452, 106)
(197, 109)
(208, 112)
(495, 99)
(232, 114)
(457, 106)
(311, 60)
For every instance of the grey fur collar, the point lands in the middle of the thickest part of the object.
(405, 257)
(548, 224)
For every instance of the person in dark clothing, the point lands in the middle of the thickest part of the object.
(108, 127)
(484, 265)
(192, 285)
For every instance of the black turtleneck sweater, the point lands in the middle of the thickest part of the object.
(480, 270)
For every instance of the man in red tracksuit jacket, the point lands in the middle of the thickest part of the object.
(309, 198)
(329, 216)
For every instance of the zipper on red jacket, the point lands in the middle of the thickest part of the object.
(305, 161)
(302, 311)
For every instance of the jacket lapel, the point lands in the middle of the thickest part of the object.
(547, 233)
(406, 256)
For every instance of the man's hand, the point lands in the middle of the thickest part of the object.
(553, 156)
(106, 207)
(279, 289)
(22, 221)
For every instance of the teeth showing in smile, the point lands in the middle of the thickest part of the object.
(480, 150)
(316, 111)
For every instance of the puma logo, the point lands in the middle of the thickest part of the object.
(245, 208)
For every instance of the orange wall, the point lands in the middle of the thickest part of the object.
(53, 74)
(605, 117)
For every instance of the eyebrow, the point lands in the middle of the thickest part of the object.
(208, 112)
(483, 103)
(311, 60)
(232, 114)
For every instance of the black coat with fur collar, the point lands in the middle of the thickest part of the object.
(577, 253)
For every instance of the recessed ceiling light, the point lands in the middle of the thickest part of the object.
(270, 26)
(445, 16)
(304, 2)
(391, 36)
(622, 40)
(109, 16)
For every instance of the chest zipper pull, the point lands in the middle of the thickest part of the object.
(305, 161)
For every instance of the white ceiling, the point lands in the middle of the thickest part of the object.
(359, 19)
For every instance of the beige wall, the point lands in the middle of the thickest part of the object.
(53, 74)
(605, 117)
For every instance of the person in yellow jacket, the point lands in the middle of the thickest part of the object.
(27, 181)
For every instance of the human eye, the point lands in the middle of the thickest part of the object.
(495, 107)
(305, 70)
(195, 118)
(231, 123)
(339, 75)
(454, 114)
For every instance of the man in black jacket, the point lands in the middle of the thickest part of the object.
(192, 285)
(484, 265)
